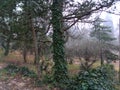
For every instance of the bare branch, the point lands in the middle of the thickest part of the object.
(83, 15)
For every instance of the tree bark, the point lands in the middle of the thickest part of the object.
(119, 52)
(25, 54)
(36, 59)
(101, 56)
(7, 47)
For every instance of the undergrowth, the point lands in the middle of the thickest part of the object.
(24, 71)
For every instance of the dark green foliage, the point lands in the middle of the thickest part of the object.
(24, 71)
(101, 78)
(60, 64)
(103, 34)
(38, 83)
(12, 69)
(48, 79)
(110, 56)
(7, 23)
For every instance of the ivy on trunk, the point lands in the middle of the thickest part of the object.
(60, 64)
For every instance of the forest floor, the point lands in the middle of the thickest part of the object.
(16, 82)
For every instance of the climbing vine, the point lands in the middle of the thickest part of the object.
(60, 65)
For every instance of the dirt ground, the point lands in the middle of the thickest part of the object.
(16, 83)
(20, 83)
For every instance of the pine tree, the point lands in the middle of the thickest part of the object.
(104, 36)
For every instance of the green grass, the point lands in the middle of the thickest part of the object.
(118, 87)
(96, 64)
(73, 69)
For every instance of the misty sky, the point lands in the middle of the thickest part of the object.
(113, 19)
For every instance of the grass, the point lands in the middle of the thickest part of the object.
(118, 86)
(73, 69)
(96, 64)
(31, 67)
(15, 57)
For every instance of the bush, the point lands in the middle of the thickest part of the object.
(48, 79)
(12, 69)
(24, 71)
(101, 78)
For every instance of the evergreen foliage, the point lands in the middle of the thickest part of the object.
(104, 36)
(100, 78)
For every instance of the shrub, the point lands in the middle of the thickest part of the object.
(48, 79)
(24, 71)
(12, 69)
(101, 78)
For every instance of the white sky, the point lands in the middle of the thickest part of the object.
(114, 18)
(111, 17)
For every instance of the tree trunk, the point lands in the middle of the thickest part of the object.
(60, 66)
(101, 56)
(119, 52)
(7, 47)
(30, 23)
(25, 54)
(35, 43)
(36, 59)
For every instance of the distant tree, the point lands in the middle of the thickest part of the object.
(110, 56)
(87, 52)
(104, 36)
